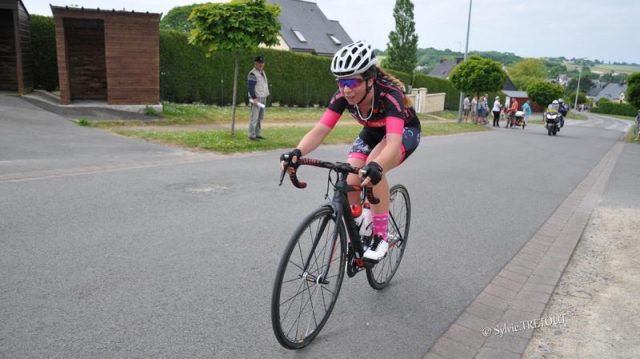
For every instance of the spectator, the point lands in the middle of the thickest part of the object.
(474, 110)
(527, 111)
(258, 91)
(497, 108)
(466, 108)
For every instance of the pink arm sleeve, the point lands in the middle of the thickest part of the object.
(395, 125)
(330, 118)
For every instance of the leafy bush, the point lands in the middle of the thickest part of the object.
(614, 108)
(43, 45)
(633, 90)
(543, 92)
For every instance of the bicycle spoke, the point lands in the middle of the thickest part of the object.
(309, 280)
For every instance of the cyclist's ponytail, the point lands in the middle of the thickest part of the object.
(396, 83)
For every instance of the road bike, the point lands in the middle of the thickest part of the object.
(325, 246)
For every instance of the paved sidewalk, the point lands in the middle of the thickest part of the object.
(501, 320)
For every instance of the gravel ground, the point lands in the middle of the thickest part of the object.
(598, 294)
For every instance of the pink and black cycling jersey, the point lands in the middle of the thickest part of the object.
(389, 116)
(388, 109)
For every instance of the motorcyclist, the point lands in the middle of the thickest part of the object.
(563, 108)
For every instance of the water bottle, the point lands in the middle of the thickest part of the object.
(363, 218)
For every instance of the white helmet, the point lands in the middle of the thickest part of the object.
(560, 100)
(555, 102)
(353, 59)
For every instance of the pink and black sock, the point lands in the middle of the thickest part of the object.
(380, 223)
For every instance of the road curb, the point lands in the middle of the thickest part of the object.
(500, 321)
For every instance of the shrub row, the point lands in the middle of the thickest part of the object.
(188, 75)
(612, 108)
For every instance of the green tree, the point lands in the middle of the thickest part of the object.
(43, 47)
(403, 42)
(239, 26)
(478, 75)
(178, 19)
(633, 90)
(554, 69)
(571, 98)
(527, 71)
(543, 92)
(585, 85)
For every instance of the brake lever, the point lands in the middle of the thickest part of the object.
(284, 171)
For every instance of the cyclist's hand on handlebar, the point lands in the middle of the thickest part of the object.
(371, 173)
(290, 157)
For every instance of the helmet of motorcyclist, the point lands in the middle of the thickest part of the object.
(555, 102)
(560, 100)
(353, 59)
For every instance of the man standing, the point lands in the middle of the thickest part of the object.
(258, 92)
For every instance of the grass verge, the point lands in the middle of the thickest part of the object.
(631, 135)
(276, 137)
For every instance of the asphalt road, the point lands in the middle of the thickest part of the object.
(112, 247)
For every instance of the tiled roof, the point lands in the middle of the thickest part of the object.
(612, 91)
(315, 29)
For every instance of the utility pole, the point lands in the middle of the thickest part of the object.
(466, 51)
(575, 105)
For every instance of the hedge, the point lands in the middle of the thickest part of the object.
(187, 75)
(613, 108)
(43, 48)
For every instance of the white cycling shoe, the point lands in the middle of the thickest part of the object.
(377, 251)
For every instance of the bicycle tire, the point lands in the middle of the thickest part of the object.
(398, 233)
(294, 292)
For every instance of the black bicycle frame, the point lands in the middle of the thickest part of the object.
(341, 210)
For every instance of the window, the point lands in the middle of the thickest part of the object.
(299, 35)
(335, 40)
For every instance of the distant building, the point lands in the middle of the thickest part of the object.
(444, 68)
(305, 28)
(612, 92)
(563, 80)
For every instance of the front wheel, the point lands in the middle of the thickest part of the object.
(308, 280)
(397, 233)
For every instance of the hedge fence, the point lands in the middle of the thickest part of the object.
(187, 75)
(605, 106)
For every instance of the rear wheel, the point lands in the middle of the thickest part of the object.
(304, 293)
(398, 233)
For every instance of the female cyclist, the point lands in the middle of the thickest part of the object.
(391, 129)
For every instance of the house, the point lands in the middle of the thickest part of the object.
(305, 28)
(522, 97)
(15, 47)
(563, 80)
(444, 68)
(613, 92)
(597, 87)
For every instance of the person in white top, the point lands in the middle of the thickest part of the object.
(497, 107)
(466, 108)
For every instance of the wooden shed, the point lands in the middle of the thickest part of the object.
(15, 48)
(108, 55)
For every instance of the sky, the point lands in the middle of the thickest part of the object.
(593, 29)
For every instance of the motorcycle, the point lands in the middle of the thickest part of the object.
(516, 119)
(551, 122)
